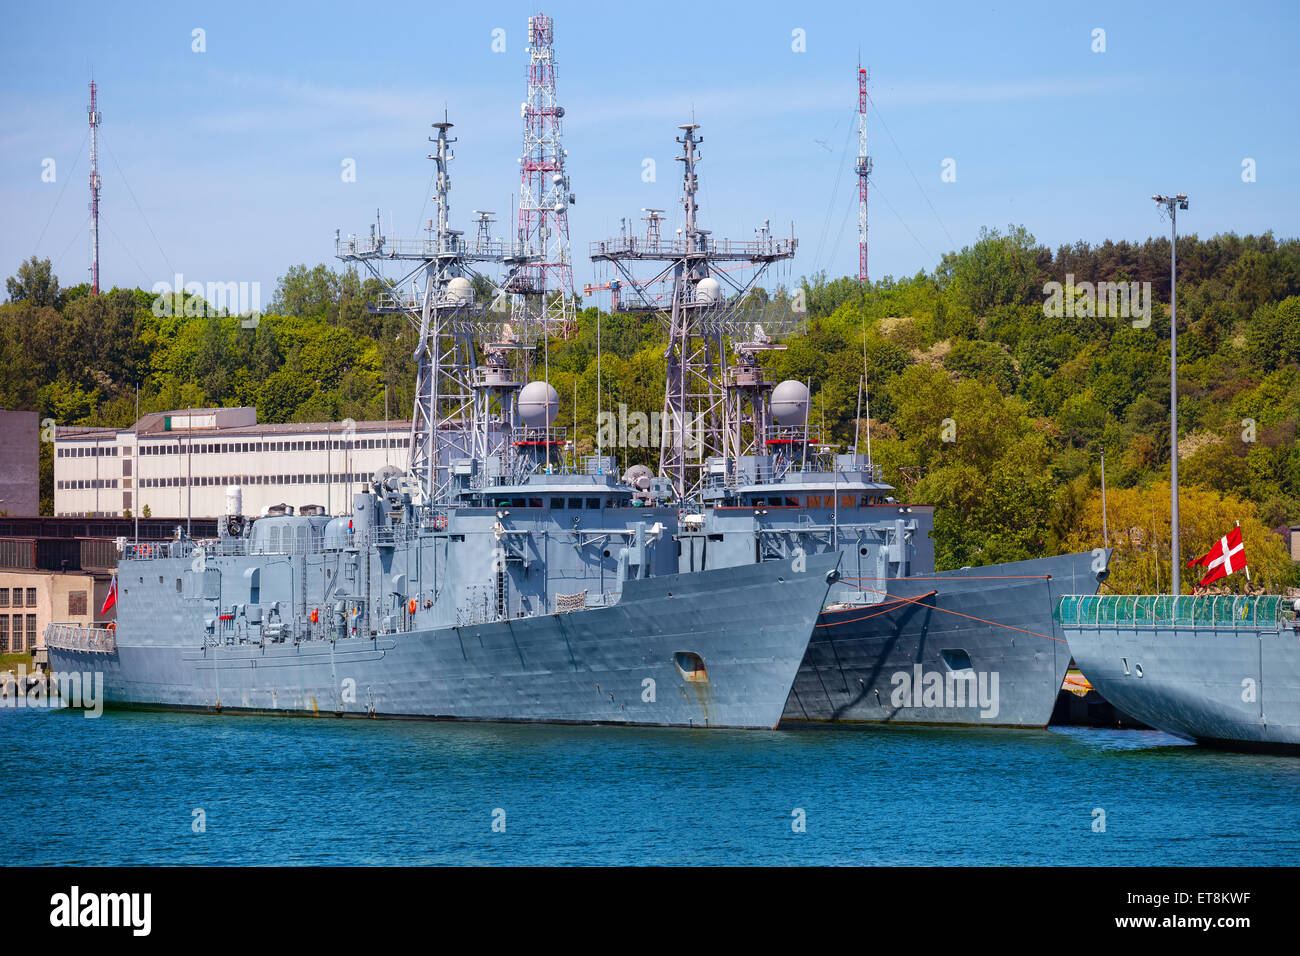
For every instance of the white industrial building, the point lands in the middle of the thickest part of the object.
(181, 463)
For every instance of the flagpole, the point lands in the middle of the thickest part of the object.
(1173, 204)
(1245, 567)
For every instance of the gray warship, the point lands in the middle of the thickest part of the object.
(899, 642)
(496, 579)
(1222, 670)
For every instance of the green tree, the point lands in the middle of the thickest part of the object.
(34, 283)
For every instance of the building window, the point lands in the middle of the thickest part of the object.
(4, 597)
(31, 630)
(4, 633)
(31, 597)
(16, 635)
(76, 603)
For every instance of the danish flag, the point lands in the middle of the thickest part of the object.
(1226, 557)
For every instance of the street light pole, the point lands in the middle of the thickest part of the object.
(1173, 204)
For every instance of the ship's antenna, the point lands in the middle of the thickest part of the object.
(1105, 533)
(857, 421)
(806, 419)
(866, 390)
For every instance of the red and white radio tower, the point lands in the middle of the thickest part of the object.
(95, 119)
(544, 193)
(864, 171)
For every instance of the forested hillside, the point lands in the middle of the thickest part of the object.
(980, 401)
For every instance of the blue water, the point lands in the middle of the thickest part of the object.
(123, 788)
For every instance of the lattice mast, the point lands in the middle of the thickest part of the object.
(707, 308)
(95, 118)
(437, 296)
(864, 172)
(544, 289)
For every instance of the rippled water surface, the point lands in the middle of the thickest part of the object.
(125, 788)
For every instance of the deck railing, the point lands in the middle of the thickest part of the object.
(79, 637)
(1166, 610)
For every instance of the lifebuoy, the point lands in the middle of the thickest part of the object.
(411, 606)
(439, 522)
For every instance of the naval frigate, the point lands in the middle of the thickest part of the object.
(496, 579)
(899, 642)
(1222, 670)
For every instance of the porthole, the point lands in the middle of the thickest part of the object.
(692, 666)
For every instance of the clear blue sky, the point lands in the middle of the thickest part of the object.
(233, 155)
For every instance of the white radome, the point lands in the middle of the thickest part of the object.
(539, 404)
(708, 290)
(459, 291)
(790, 403)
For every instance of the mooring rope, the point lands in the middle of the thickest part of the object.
(917, 600)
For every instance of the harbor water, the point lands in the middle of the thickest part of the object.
(157, 788)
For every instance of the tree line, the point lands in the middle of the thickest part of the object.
(980, 401)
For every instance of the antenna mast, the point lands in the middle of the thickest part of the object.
(95, 119)
(453, 322)
(864, 171)
(703, 307)
(544, 194)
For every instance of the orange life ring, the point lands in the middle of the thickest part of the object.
(411, 606)
(440, 523)
(315, 615)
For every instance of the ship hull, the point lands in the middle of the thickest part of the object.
(905, 662)
(1230, 688)
(609, 665)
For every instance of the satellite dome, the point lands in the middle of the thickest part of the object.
(539, 404)
(790, 403)
(638, 477)
(708, 290)
(459, 291)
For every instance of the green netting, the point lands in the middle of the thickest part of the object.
(1216, 610)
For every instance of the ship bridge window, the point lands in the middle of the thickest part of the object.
(518, 502)
(535, 503)
(575, 504)
(557, 504)
(593, 503)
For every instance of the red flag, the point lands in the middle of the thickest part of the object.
(110, 598)
(1226, 557)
